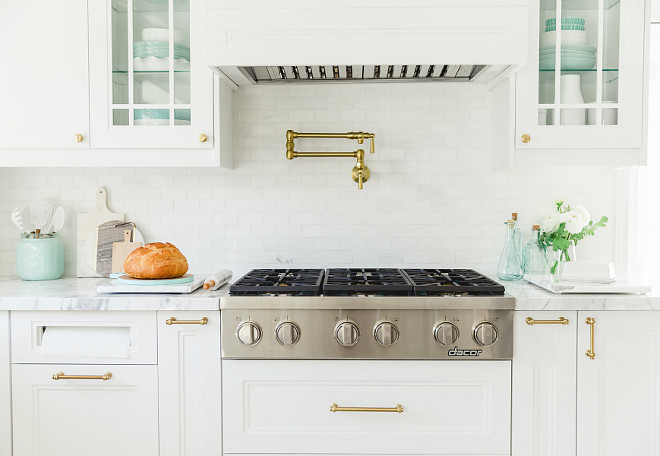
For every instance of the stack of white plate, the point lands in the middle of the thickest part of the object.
(152, 53)
(576, 54)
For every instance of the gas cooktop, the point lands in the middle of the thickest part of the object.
(365, 282)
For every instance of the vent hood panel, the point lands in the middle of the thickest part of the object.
(254, 33)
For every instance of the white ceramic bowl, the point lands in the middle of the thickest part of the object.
(570, 37)
(163, 34)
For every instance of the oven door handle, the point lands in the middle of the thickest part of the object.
(397, 409)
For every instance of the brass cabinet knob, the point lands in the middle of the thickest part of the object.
(526, 138)
(79, 138)
(203, 138)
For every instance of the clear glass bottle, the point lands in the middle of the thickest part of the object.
(509, 267)
(535, 259)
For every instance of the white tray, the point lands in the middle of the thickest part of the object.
(112, 286)
(619, 286)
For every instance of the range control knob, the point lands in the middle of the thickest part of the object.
(249, 333)
(386, 333)
(485, 334)
(287, 333)
(445, 333)
(347, 333)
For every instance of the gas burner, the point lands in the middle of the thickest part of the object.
(360, 281)
(276, 282)
(441, 282)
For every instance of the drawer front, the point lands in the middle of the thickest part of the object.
(84, 337)
(449, 407)
(75, 417)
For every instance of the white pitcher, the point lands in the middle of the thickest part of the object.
(571, 94)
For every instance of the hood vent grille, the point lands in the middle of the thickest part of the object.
(361, 73)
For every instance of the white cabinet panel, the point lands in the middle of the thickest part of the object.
(544, 383)
(5, 385)
(189, 384)
(43, 83)
(619, 390)
(82, 417)
(449, 407)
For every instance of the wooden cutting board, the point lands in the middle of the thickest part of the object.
(87, 224)
(120, 250)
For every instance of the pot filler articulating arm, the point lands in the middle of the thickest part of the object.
(360, 171)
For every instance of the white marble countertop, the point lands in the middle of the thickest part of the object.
(80, 294)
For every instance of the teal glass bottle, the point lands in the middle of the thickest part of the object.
(509, 267)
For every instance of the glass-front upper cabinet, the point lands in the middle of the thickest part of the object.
(583, 86)
(150, 85)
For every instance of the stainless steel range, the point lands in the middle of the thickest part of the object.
(367, 314)
(366, 361)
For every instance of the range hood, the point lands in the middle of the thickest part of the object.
(303, 41)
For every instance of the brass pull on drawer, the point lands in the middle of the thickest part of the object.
(61, 376)
(560, 321)
(397, 409)
(174, 321)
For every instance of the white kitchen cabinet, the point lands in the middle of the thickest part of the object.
(43, 83)
(608, 125)
(189, 383)
(544, 372)
(619, 389)
(140, 99)
(447, 407)
(5, 386)
(79, 417)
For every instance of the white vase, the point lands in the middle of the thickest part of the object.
(571, 94)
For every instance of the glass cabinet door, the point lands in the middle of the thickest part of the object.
(586, 72)
(159, 89)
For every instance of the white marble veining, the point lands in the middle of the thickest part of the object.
(80, 294)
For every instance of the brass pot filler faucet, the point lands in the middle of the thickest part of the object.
(360, 171)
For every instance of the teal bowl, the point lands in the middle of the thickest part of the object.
(568, 63)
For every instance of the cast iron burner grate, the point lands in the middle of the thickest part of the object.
(371, 282)
(439, 282)
(272, 282)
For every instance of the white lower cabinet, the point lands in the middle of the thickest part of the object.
(544, 384)
(189, 383)
(619, 390)
(284, 407)
(79, 417)
(5, 387)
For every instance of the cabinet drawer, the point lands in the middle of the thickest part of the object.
(84, 337)
(77, 417)
(284, 406)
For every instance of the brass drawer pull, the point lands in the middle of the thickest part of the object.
(174, 321)
(60, 376)
(336, 408)
(591, 322)
(560, 321)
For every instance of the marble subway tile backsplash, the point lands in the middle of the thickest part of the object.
(438, 193)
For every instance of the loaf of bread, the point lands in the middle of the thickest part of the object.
(156, 261)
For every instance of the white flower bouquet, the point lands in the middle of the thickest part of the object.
(563, 225)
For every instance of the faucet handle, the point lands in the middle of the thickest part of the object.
(373, 146)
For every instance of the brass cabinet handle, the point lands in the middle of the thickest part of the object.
(203, 138)
(60, 376)
(525, 138)
(174, 321)
(560, 321)
(591, 322)
(79, 138)
(397, 409)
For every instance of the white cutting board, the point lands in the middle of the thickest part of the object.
(112, 286)
(87, 224)
(619, 286)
